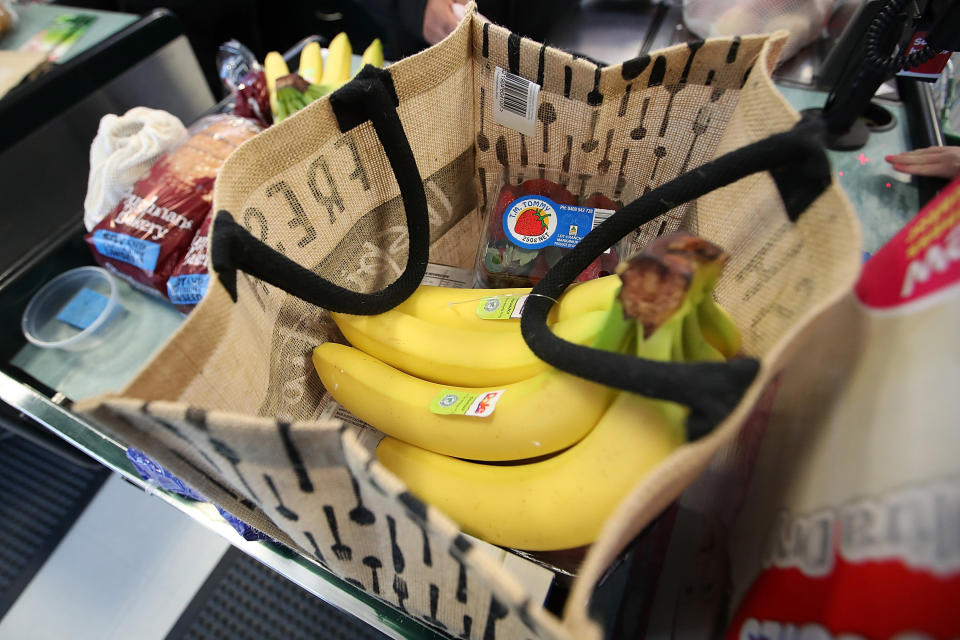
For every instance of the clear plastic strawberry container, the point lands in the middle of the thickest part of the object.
(532, 221)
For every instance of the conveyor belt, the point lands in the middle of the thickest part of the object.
(41, 495)
(244, 600)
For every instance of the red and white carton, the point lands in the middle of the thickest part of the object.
(851, 523)
(932, 68)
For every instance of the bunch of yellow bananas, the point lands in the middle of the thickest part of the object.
(436, 347)
(290, 92)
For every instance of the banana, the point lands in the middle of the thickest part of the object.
(373, 54)
(560, 502)
(336, 70)
(563, 500)
(534, 417)
(718, 328)
(311, 62)
(456, 356)
(289, 101)
(458, 307)
(592, 295)
(695, 346)
(316, 91)
(274, 66)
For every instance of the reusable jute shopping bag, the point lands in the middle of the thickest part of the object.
(341, 207)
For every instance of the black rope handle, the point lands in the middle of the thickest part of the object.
(369, 96)
(711, 390)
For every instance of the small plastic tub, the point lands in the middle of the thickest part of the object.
(73, 311)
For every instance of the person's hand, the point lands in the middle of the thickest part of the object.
(940, 162)
(439, 20)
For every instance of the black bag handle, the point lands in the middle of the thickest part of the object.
(369, 96)
(799, 166)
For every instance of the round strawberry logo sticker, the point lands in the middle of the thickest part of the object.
(531, 222)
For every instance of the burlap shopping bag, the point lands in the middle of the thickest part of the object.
(341, 207)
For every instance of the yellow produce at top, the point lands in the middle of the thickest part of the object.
(373, 54)
(274, 66)
(311, 63)
(336, 70)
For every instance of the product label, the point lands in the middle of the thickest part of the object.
(140, 213)
(515, 102)
(534, 222)
(197, 254)
(441, 275)
(85, 307)
(460, 403)
(929, 70)
(189, 288)
(142, 254)
(921, 262)
(856, 570)
(505, 307)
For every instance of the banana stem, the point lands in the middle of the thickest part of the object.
(695, 346)
(617, 330)
(659, 346)
(662, 345)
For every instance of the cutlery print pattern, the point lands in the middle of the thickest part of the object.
(374, 563)
(360, 514)
(340, 550)
(281, 508)
(401, 591)
(316, 549)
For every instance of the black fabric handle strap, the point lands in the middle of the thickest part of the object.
(711, 390)
(369, 96)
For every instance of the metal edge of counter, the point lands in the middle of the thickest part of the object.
(295, 567)
(34, 103)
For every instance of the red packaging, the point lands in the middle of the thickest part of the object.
(253, 99)
(148, 233)
(850, 526)
(188, 282)
(530, 223)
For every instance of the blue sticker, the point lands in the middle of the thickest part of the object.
(150, 470)
(534, 222)
(188, 289)
(83, 309)
(140, 253)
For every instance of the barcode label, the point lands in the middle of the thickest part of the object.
(515, 102)
(599, 217)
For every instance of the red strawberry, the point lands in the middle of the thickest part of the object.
(507, 195)
(537, 187)
(608, 263)
(600, 201)
(540, 268)
(495, 223)
(548, 188)
(562, 196)
(531, 222)
(592, 271)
